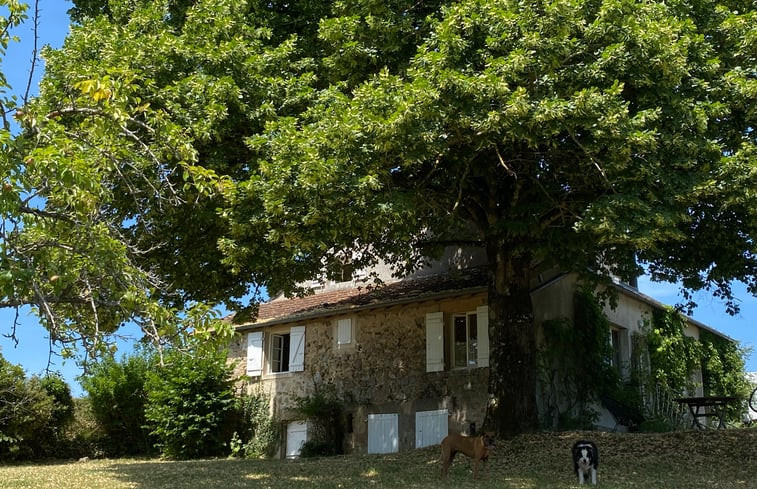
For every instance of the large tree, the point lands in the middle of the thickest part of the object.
(253, 142)
(592, 136)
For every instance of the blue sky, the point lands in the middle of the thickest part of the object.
(32, 351)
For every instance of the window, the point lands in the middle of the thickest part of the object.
(346, 272)
(457, 341)
(344, 332)
(619, 350)
(280, 347)
(285, 351)
(615, 347)
(465, 334)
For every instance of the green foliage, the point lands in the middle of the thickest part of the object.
(180, 151)
(26, 410)
(72, 207)
(117, 397)
(325, 428)
(50, 441)
(723, 366)
(674, 356)
(260, 431)
(575, 368)
(190, 405)
(63, 408)
(85, 436)
(14, 13)
(723, 372)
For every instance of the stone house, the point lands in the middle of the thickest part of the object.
(409, 358)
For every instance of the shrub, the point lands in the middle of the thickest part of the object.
(117, 395)
(50, 439)
(25, 410)
(85, 435)
(323, 413)
(260, 431)
(190, 405)
(63, 402)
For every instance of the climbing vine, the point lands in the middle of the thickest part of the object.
(574, 365)
(576, 372)
(260, 431)
(324, 415)
(674, 361)
(722, 366)
(673, 356)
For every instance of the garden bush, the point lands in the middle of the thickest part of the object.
(117, 395)
(191, 405)
(26, 409)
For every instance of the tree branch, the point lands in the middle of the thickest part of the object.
(35, 51)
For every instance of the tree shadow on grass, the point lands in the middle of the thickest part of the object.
(681, 460)
(331, 472)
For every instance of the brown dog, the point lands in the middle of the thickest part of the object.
(475, 447)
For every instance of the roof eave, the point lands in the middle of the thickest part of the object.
(348, 308)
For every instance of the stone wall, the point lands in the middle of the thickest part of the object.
(382, 371)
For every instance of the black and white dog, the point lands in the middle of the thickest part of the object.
(585, 460)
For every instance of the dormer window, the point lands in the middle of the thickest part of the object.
(315, 284)
(346, 273)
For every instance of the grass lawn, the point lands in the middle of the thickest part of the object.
(686, 460)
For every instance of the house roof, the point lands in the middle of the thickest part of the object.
(366, 297)
(632, 291)
(473, 280)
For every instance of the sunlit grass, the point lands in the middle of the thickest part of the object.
(690, 460)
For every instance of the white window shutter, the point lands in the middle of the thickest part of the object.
(482, 324)
(255, 353)
(297, 349)
(434, 342)
(344, 331)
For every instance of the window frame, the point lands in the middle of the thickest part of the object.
(619, 350)
(345, 333)
(276, 352)
(471, 340)
(440, 341)
(279, 354)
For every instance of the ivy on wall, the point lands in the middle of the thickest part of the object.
(723, 366)
(674, 362)
(673, 356)
(575, 368)
(574, 365)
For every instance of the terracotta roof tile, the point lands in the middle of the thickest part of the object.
(330, 302)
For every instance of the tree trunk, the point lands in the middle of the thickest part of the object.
(512, 340)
